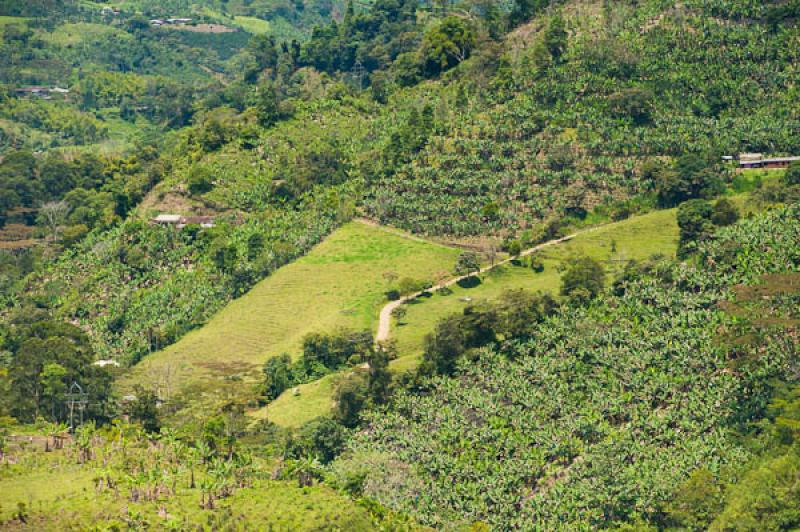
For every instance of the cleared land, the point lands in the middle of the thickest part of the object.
(57, 494)
(613, 244)
(253, 25)
(338, 284)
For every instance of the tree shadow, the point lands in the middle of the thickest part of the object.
(469, 282)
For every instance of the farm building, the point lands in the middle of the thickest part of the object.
(167, 219)
(40, 92)
(774, 162)
(44, 93)
(181, 221)
(202, 221)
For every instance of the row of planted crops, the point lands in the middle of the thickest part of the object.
(656, 82)
(604, 411)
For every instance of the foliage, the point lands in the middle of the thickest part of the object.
(689, 178)
(144, 409)
(724, 213)
(792, 175)
(694, 221)
(583, 280)
(635, 107)
(446, 45)
(598, 416)
(766, 498)
(467, 264)
(124, 286)
(278, 376)
(515, 314)
(48, 357)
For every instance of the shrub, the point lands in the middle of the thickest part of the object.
(634, 102)
(467, 263)
(144, 409)
(323, 438)
(73, 234)
(792, 175)
(536, 264)
(514, 248)
(724, 213)
(278, 376)
(584, 280)
(694, 221)
(350, 398)
(200, 181)
(407, 286)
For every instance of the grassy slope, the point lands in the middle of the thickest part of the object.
(636, 238)
(59, 495)
(71, 34)
(253, 25)
(338, 284)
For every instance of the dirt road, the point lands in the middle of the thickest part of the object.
(385, 321)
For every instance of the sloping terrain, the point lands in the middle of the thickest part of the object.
(600, 415)
(338, 283)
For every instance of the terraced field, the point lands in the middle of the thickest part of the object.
(338, 284)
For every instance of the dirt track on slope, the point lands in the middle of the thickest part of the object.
(385, 321)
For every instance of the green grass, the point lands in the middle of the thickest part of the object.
(73, 34)
(5, 21)
(314, 400)
(42, 489)
(338, 284)
(60, 495)
(253, 25)
(636, 238)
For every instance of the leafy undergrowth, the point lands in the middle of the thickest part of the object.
(140, 286)
(124, 481)
(605, 411)
(338, 283)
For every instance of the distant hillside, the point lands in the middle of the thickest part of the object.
(566, 115)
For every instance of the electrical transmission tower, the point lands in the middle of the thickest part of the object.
(76, 400)
(359, 73)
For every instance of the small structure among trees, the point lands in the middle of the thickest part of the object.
(180, 221)
(769, 163)
(584, 280)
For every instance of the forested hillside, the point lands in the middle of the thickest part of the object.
(596, 416)
(159, 159)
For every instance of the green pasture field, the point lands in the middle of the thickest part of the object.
(339, 283)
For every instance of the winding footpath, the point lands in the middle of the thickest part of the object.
(385, 321)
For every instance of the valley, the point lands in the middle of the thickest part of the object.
(399, 265)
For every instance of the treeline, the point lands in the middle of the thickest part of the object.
(40, 360)
(75, 195)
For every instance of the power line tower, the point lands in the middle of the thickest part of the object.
(359, 73)
(76, 399)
